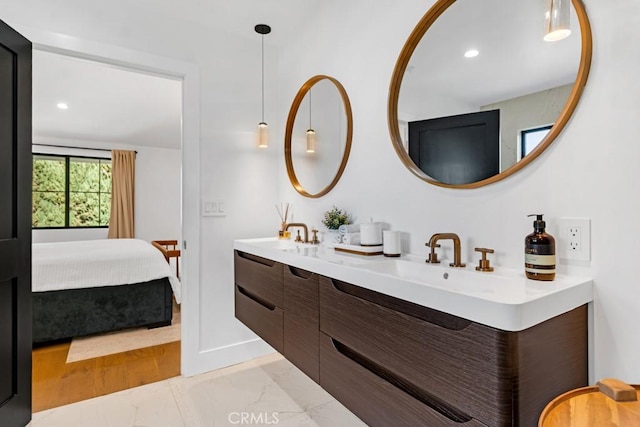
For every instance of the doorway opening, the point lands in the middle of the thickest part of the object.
(110, 106)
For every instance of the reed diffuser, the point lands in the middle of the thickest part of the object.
(283, 212)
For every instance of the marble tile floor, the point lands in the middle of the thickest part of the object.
(267, 391)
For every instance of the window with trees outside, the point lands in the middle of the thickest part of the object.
(70, 192)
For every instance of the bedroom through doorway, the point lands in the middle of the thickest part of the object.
(83, 109)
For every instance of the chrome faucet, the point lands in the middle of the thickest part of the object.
(433, 244)
(304, 227)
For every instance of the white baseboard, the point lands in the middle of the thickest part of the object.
(216, 358)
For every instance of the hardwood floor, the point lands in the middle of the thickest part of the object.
(57, 383)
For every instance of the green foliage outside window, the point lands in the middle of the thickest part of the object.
(48, 192)
(71, 191)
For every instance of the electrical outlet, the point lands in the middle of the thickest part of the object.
(575, 239)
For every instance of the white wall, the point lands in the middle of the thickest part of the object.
(590, 171)
(232, 169)
(157, 198)
(412, 105)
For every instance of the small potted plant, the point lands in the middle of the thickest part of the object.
(333, 219)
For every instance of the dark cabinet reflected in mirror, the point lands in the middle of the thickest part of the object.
(477, 93)
(457, 149)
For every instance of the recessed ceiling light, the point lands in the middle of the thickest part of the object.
(471, 53)
(62, 106)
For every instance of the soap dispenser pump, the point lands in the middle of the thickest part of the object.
(540, 252)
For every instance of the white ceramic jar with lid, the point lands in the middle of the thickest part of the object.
(371, 233)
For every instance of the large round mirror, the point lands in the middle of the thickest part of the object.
(477, 93)
(318, 136)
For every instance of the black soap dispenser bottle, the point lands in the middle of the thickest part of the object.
(540, 252)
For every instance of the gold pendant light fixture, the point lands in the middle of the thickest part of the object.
(263, 134)
(557, 20)
(311, 134)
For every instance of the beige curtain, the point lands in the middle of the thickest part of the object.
(123, 173)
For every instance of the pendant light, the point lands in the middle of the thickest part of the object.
(557, 17)
(311, 134)
(263, 135)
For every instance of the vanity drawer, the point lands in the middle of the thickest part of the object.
(301, 292)
(378, 397)
(464, 364)
(261, 317)
(260, 276)
(301, 344)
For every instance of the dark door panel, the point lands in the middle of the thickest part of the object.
(7, 356)
(15, 228)
(7, 154)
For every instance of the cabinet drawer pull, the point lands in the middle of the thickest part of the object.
(256, 299)
(303, 274)
(256, 259)
(431, 401)
(426, 314)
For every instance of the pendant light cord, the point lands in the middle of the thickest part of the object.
(262, 78)
(262, 29)
(310, 127)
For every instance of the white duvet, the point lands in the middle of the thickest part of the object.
(95, 263)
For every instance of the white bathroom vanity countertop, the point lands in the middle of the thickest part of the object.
(503, 299)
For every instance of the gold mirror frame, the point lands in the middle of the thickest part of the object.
(289, 131)
(403, 60)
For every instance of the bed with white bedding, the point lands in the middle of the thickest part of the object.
(86, 287)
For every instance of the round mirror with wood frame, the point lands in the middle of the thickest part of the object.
(334, 115)
(403, 66)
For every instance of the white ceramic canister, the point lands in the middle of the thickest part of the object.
(391, 243)
(371, 234)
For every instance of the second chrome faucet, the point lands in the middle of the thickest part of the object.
(433, 244)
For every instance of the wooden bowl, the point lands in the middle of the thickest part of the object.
(611, 403)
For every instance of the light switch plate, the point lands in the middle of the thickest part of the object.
(213, 208)
(575, 239)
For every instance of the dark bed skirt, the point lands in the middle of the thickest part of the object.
(59, 315)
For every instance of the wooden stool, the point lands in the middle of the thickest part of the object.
(611, 403)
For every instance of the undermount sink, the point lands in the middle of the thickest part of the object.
(461, 280)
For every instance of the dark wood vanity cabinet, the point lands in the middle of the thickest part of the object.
(302, 320)
(259, 297)
(376, 400)
(280, 304)
(395, 363)
(441, 368)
